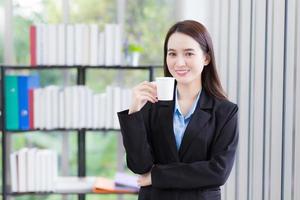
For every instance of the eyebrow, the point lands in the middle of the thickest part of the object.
(188, 49)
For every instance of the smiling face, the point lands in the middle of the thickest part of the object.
(185, 59)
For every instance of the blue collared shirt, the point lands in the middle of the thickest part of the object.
(180, 122)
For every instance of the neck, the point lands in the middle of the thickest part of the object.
(189, 91)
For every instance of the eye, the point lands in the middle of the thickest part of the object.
(171, 54)
(189, 54)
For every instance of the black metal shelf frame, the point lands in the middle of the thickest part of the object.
(62, 129)
(81, 75)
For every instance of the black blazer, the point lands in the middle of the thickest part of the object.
(204, 160)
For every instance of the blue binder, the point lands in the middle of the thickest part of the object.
(23, 103)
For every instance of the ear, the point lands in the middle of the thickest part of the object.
(206, 59)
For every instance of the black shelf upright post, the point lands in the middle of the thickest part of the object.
(151, 73)
(3, 127)
(81, 135)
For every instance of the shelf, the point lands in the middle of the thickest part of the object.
(121, 67)
(49, 67)
(81, 71)
(61, 129)
(65, 193)
(43, 67)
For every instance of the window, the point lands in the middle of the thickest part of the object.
(1, 32)
(146, 25)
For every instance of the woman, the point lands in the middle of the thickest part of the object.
(184, 149)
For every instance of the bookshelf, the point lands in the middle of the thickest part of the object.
(80, 80)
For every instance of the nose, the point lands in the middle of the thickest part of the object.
(179, 61)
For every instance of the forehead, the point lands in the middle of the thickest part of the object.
(182, 41)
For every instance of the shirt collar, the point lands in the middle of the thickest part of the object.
(191, 111)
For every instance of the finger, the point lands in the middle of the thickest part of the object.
(139, 184)
(149, 89)
(139, 181)
(151, 85)
(144, 87)
(147, 96)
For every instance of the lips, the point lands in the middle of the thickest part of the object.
(182, 72)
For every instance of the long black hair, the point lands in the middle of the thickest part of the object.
(209, 76)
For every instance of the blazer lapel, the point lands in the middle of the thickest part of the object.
(197, 122)
(166, 110)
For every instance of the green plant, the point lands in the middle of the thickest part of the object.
(135, 48)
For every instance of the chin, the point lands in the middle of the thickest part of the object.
(182, 80)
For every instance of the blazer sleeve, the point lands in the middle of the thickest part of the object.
(201, 174)
(134, 128)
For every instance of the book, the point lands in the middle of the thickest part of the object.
(39, 44)
(61, 39)
(22, 170)
(75, 44)
(33, 82)
(85, 45)
(93, 44)
(118, 45)
(61, 109)
(14, 171)
(79, 44)
(109, 44)
(71, 107)
(107, 186)
(38, 113)
(116, 106)
(101, 48)
(52, 44)
(109, 107)
(45, 44)
(11, 102)
(70, 46)
(89, 108)
(122, 184)
(103, 106)
(32, 44)
(30, 167)
(23, 102)
(124, 179)
(96, 111)
(82, 111)
(51, 106)
(68, 96)
(67, 184)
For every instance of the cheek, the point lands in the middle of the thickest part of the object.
(168, 60)
(198, 65)
(170, 64)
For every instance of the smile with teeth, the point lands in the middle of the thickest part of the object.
(182, 72)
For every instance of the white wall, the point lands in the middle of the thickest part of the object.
(257, 46)
(8, 34)
(1, 19)
(193, 9)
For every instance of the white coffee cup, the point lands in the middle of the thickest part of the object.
(165, 88)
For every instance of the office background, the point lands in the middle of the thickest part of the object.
(257, 46)
(257, 51)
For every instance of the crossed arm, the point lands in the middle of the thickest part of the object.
(213, 172)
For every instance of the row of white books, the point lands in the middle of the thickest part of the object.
(121, 182)
(76, 107)
(33, 170)
(75, 44)
(36, 170)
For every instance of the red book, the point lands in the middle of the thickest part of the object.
(32, 45)
(30, 108)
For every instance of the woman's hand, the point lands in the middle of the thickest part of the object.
(145, 179)
(142, 93)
